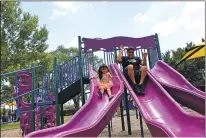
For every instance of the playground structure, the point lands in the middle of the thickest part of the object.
(68, 80)
(45, 113)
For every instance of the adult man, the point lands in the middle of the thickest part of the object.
(134, 68)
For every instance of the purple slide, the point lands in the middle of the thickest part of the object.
(178, 87)
(162, 114)
(92, 118)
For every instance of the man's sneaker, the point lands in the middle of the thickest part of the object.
(100, 94)
(136, 89)
(110, 97)
(141, 88)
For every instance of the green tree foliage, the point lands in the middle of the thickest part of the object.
(64, 54)
(193, 70)
(22, 39)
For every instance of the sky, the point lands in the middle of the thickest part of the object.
(176, 23)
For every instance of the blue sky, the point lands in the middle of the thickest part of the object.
(176, 22)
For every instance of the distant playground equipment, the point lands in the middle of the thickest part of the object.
(9, 114)
(160, 112)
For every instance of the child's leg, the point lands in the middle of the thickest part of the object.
(102, 90)
(101, 87)
(109, 92)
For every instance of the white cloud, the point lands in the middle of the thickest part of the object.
(154, 11)
(141, 17)
(67, 6)
(73, 43)
(63, 8)
(57, 13)
(174, 2)
(191, 19)
(104, 2)
(166, 27)
(91, 5)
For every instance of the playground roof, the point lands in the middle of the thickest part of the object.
(196, 52)
(109, 43)
(9, 104)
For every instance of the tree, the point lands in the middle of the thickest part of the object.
(22, 40)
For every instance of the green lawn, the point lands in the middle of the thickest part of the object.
(10, 126)
(16, 124)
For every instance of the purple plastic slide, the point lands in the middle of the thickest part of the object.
(92, 118)
(178, 87)
(162, 114)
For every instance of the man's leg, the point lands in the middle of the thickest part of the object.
(143, 74)
(131, 73)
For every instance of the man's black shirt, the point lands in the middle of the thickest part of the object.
(135, 61)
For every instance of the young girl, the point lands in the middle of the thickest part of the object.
(105, 82)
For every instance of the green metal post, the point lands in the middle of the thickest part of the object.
(81, 71)
(56, 92)
(127, 112)
(158, 47)
(32, 100)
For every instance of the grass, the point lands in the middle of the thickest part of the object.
(16, 125)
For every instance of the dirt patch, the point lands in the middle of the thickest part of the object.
(11, 133)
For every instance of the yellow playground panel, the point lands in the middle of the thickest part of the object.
(9, 104)
(196, 52)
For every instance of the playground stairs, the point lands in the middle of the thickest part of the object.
(71, 91)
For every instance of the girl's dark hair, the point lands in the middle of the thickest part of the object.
(100, 72)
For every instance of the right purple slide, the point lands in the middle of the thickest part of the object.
(178, 87)
(162, 114)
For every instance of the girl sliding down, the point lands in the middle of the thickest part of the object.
(105, 82)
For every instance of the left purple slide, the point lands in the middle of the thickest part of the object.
(92, 118)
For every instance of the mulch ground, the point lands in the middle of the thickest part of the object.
(116, 130)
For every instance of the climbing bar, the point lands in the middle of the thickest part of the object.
(13, 73)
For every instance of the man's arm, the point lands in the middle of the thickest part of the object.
(144, 61)
(119, 56)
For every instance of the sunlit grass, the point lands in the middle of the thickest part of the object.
(16, 125)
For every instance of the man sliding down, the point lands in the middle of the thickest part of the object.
(134, 69)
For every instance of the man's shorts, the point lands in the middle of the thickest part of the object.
(137, 74)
